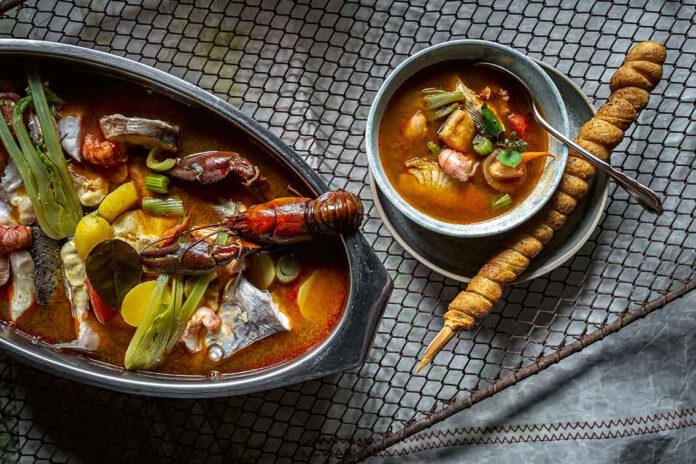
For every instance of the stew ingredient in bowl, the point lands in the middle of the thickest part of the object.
(460, 145)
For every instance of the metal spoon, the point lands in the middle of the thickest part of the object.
(642, 194)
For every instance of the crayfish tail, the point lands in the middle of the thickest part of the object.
(435, 346)
(335, 212)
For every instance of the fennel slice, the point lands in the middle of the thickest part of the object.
(429, 173)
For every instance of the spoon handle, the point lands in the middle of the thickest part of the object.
(642, 194)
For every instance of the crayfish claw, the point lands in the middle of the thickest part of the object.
(213, 166)
(195, 258)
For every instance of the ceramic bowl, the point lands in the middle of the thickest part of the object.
(460, 259)
(547, 96)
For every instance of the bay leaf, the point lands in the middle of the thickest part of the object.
(113, 269)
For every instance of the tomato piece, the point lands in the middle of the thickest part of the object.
(295, 289)
(101, 310)
(519, 124)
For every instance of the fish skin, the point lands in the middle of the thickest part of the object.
(248, 315)
(48, 266)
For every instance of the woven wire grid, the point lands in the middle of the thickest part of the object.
(309, 71)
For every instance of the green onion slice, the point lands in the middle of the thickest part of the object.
(482, 145)
(502, 202)
(434, 149)
(157, 183)
(438, 100)
(155, 165)
(287, 269)
(432, 91)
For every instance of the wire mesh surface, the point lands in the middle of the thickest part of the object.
(309, 72)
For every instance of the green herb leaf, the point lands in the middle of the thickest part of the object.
(513, 143)
(491, 125)
(113, 269)
(510, 158)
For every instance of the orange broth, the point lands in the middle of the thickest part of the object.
(199, 132)
(468, 202)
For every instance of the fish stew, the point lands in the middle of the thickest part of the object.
(459, 143)
(176, 245)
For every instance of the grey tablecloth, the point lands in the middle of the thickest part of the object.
(630, 398)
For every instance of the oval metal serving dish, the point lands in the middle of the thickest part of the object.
(345, 347)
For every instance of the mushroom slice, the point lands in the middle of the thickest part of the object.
(149, 133)
(70, 132)
(503, 178)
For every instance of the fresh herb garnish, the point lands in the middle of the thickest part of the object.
(511, 158)
(491, 125)
(513, 143)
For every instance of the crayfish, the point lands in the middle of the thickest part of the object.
(282, 221)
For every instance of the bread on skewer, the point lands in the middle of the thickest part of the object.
(630, 85)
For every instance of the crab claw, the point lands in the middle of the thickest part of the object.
(199, 257)
(213, 166)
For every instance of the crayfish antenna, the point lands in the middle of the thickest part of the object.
(435, 346)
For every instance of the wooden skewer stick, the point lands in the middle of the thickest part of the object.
(630, 85)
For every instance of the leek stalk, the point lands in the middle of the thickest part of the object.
(43, 169)
(165, 320)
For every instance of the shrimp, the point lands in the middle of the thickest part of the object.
(14, 238)
(203, 317)
(457, 164)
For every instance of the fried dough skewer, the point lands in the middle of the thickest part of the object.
(630, 85)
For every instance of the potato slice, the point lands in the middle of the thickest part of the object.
(119, 201)
(91, 231)
(262, 271)
(136, 302)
